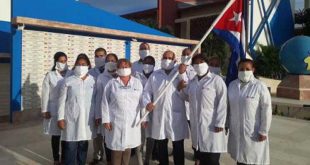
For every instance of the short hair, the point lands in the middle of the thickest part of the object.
(199, 56)
(100, 50)
(186, 49)
(145, 43)
(123, 60)
(82, 56)
(111, 54)
(169, 51)
(56, 58)
(246, 61)
(150, 58)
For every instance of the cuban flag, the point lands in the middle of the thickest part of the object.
(230, 27)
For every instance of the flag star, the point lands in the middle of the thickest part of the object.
(307, 61)
(236, 18)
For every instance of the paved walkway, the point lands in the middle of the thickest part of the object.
(25, 144)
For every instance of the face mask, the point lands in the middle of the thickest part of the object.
(167, 64)
(245, 76)
(201, 69)
(147, 68)
(124, 72)
(110, 66)
(80, 71)
(144, 53)
(99, 61)
(215, 70)
(187, 60)
(61, 66)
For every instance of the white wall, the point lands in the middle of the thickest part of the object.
(5, 10)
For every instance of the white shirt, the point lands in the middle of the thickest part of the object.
(77, 108)
(121, 107)
(169, 116)
(49, 101)
(250, 115)
(208, 103)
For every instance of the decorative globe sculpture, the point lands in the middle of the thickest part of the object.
(295, 55)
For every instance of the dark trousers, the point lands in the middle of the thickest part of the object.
(178, 152)
(107, 153)
(55, 148)
(76, 152)
(207, 158)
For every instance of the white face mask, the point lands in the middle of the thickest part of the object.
(167, 64)
(245, 76)
(124, 72)
(99, 61)
(110, 66)
(61, 66)
(187, 60)
(215, 70)
(144, 53)
(80, 71)
(201, 69)
(147, 68)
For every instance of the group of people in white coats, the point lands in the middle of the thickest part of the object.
(105, 103)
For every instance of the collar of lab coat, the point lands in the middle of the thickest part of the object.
(59, 75)
(209, 75)
(130, 83)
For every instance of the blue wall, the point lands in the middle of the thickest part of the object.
(5, 37)
(282, 23)
(72, 11)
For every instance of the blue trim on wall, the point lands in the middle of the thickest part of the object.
(16, 69)
(127, 49)
(5, 37)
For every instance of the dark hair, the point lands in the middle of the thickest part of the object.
(186, 49)
(150, 58)
(145, 43)
(246, 61)
(111, 54)
(56, 58)
(100, 49)
(123, 60)
(199, 56)
(82, 56)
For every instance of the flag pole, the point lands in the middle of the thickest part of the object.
(191, 55)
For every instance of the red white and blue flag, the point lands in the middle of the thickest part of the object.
(230, 27)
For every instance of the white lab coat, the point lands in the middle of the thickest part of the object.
(169, 116)
(95, 72)
(208, 104)
(190, 74)
(49, 101)
(121, 107)
(77, 108)
(250, 114)
(102, 81)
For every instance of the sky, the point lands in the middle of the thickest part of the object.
(120, 7)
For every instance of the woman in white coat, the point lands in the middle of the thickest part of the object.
(120, 113)
(250, 117)
(76, 115)
(207, 96)
(50, 94)
(102, 80)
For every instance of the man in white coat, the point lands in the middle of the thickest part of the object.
(169, 115)
(144, 50)
(249, 118)
(207, 96)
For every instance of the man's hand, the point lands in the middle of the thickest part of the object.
(108, 126)
(182, 84)
(218, 129)
(61, 124)
(150, 107)
(98, 122)
(144, 124)
(182, 68)
(46, 115)
(262, 138)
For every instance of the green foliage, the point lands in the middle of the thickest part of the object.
(268, 63)
(303, 18)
